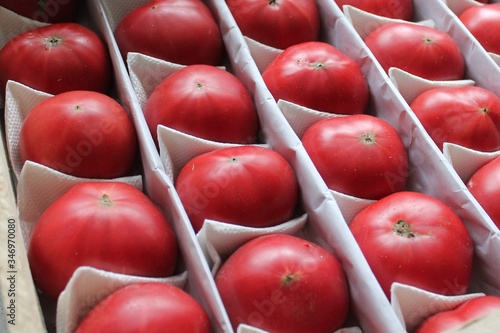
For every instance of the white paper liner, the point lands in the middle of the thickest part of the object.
(262, 54)
(410, 86)
(459, 6)
(39, 186)
(413, 305)
(88, 286)
(466, 161)
(365, 23)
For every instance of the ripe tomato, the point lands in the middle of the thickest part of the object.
(481, 22)
(467, 116)
(34, 58)
(415, 239)
(179, 31)
(318, 76)
(464, 314)
(204, 101)
(359, 155)
(277, 23)
(281, 283)
(244, 185)
(48, 11)
(81, 133)
(158, 306)
(107, 225)
(420, 50)
(484, 185)
(399, 9)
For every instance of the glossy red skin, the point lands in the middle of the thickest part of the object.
(129, 235)
(30, 58)
(438, 259)
(359, 155)
(399, 9)
(482, 21)
(277, 23)
(468, 116)
(466, 312)
(420, 50)
(147, 307)
(318, 76)
(48, 11)
(204, 101)
(80, 133)
(179, 31)
(244, 185)
(315, 299)
(484, 185)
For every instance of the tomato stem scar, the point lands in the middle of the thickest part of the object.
(403, 229)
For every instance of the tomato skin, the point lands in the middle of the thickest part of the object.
(318, 76)
(401, 9)
(359, 155)
(34, 58)
(468, 116)
(180, 31)
(107, 225)
(204, 101)
(484, 186)
(81, 133)
(277, 23)
(245, 185)
(290, 285)
(433, 251)
(48, 11)
(157, 305)
(470, 310)
(420, 50)
(481, 21)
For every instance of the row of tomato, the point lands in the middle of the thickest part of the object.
(324, 218)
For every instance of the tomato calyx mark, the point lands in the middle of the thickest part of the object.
(317, 65)
(289, 278)
(53, 41)
(368, 138)
(273, 2)
(403, 229)
(484, 110)
(428, 40)
(199, 85)
(105, 201)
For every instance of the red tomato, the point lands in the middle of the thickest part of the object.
(399, 9)
(244, 185)
(48, 11)
(464, 314)
(282, 283)
(151, 307)
(277, 23)
(359, 155)
(420, 50)
(204, 101)
(107, 225)
(318, 76)
(415, 239)
(179, 31)
(467, 116)
(484, 23)
(34, 58)
(484, 185)
(81, 133)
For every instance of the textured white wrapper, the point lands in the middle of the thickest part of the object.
(413, 305)
(88, 286)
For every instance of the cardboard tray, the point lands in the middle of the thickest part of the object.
(328, 213)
